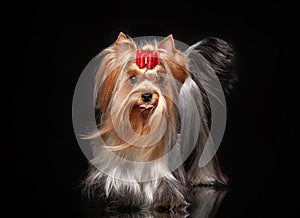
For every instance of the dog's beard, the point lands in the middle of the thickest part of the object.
(136, 133)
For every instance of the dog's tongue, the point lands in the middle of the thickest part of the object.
(146, 106)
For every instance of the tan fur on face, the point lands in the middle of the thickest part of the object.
(106, 91)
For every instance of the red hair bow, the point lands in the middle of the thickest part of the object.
(146, 59)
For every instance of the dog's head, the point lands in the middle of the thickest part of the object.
(136, 87)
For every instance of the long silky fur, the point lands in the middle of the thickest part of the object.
(172, 188)
(218, 59)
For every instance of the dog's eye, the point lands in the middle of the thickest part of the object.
(132, 79)
(159, 80)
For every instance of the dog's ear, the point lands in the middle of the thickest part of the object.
(120, 47)
(121, 37)
(167, 44)
(175, 60)
(123, 44)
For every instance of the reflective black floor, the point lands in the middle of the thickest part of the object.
(205, 204)
(241, 202)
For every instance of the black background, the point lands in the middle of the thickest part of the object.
(48, 45)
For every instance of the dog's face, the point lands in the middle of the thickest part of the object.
(144, 93)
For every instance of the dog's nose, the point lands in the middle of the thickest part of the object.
(147, 97)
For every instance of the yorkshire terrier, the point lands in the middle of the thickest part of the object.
(152, 104)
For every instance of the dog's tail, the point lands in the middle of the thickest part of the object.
(221, 57)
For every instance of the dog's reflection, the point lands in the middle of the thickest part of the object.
(204, 204)
(206, 201)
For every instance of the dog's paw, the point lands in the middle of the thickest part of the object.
(176, 208)
(204, 181)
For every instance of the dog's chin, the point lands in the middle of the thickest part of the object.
(143, 111)
(140, 115)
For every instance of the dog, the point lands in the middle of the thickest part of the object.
(152, 108)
